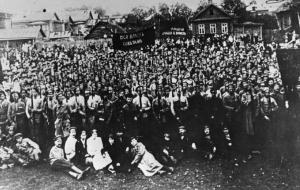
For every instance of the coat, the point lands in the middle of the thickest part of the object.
(145, 160)
(94, 148)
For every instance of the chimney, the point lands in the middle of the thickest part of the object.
(209, 2)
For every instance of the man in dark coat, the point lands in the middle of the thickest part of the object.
(215, 111)
(82, 157)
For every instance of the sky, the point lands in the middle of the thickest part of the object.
(111, 6)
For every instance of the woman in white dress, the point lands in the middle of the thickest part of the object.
(94, 148)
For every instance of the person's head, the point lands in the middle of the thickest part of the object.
(166, 91)
(167, 136)
(94, 133)
(72, 132)
(267, 92)
(60, 98)
(276, 88)
(213, 92)
(110, 90)
(15, 96)
(182, 130)
(11, 130)
(83, 135)
(34, 92)
(2, 95)
(77, 91)
(230, 89)
(129, 98)
(133, 141)
(58, 141)
(271, 82)
(19, 137)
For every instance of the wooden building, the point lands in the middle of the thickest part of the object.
(212, 20)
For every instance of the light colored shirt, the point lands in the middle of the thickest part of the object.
(145, 102)
(56, 153)
(93, 101)
(70, 147)
(94, 145)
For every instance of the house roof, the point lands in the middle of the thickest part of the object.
(20, 33)
(102, 28)
(75, 15)
(34, 17)
(5, 15)
(208, 7)
(284, 7)
(249, 23)
(207, 19)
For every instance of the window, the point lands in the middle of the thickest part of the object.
(201, 28)
(213, 28)
(224, 27)
(286, 21)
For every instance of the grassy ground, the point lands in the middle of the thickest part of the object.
(191, 174)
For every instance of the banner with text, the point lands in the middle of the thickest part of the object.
(175, 27)
(134, 40)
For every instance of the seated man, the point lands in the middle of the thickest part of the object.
(82, 157)
(70, 145)
(27, 148)
(118, 153)
(6, 159)
(58, 161)
(167, 155)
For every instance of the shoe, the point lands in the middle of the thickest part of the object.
(11, 165)
(79, 176)
(111, 169)
(171, 169)
(255, 152)
(84, 172)
(161, 172)
(86, 169)
(250, 157)
(3, 167)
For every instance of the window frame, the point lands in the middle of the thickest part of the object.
(223, 24)
(200, 28)
(211, 28)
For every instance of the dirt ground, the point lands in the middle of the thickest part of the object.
(257, 174)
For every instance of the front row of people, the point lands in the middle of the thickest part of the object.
(71, 154)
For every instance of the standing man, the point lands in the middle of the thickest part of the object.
(34, 108)
(61, 115)
(4, 104)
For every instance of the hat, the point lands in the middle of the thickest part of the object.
(119, 133)
(57, 137)
(14, 91)
(18, 135)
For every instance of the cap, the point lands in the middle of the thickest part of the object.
(18, 135)
(57, 137)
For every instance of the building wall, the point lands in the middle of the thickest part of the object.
(250, 30)
(195, 27)
(5, 23)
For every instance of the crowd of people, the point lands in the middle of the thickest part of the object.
(149, 108)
